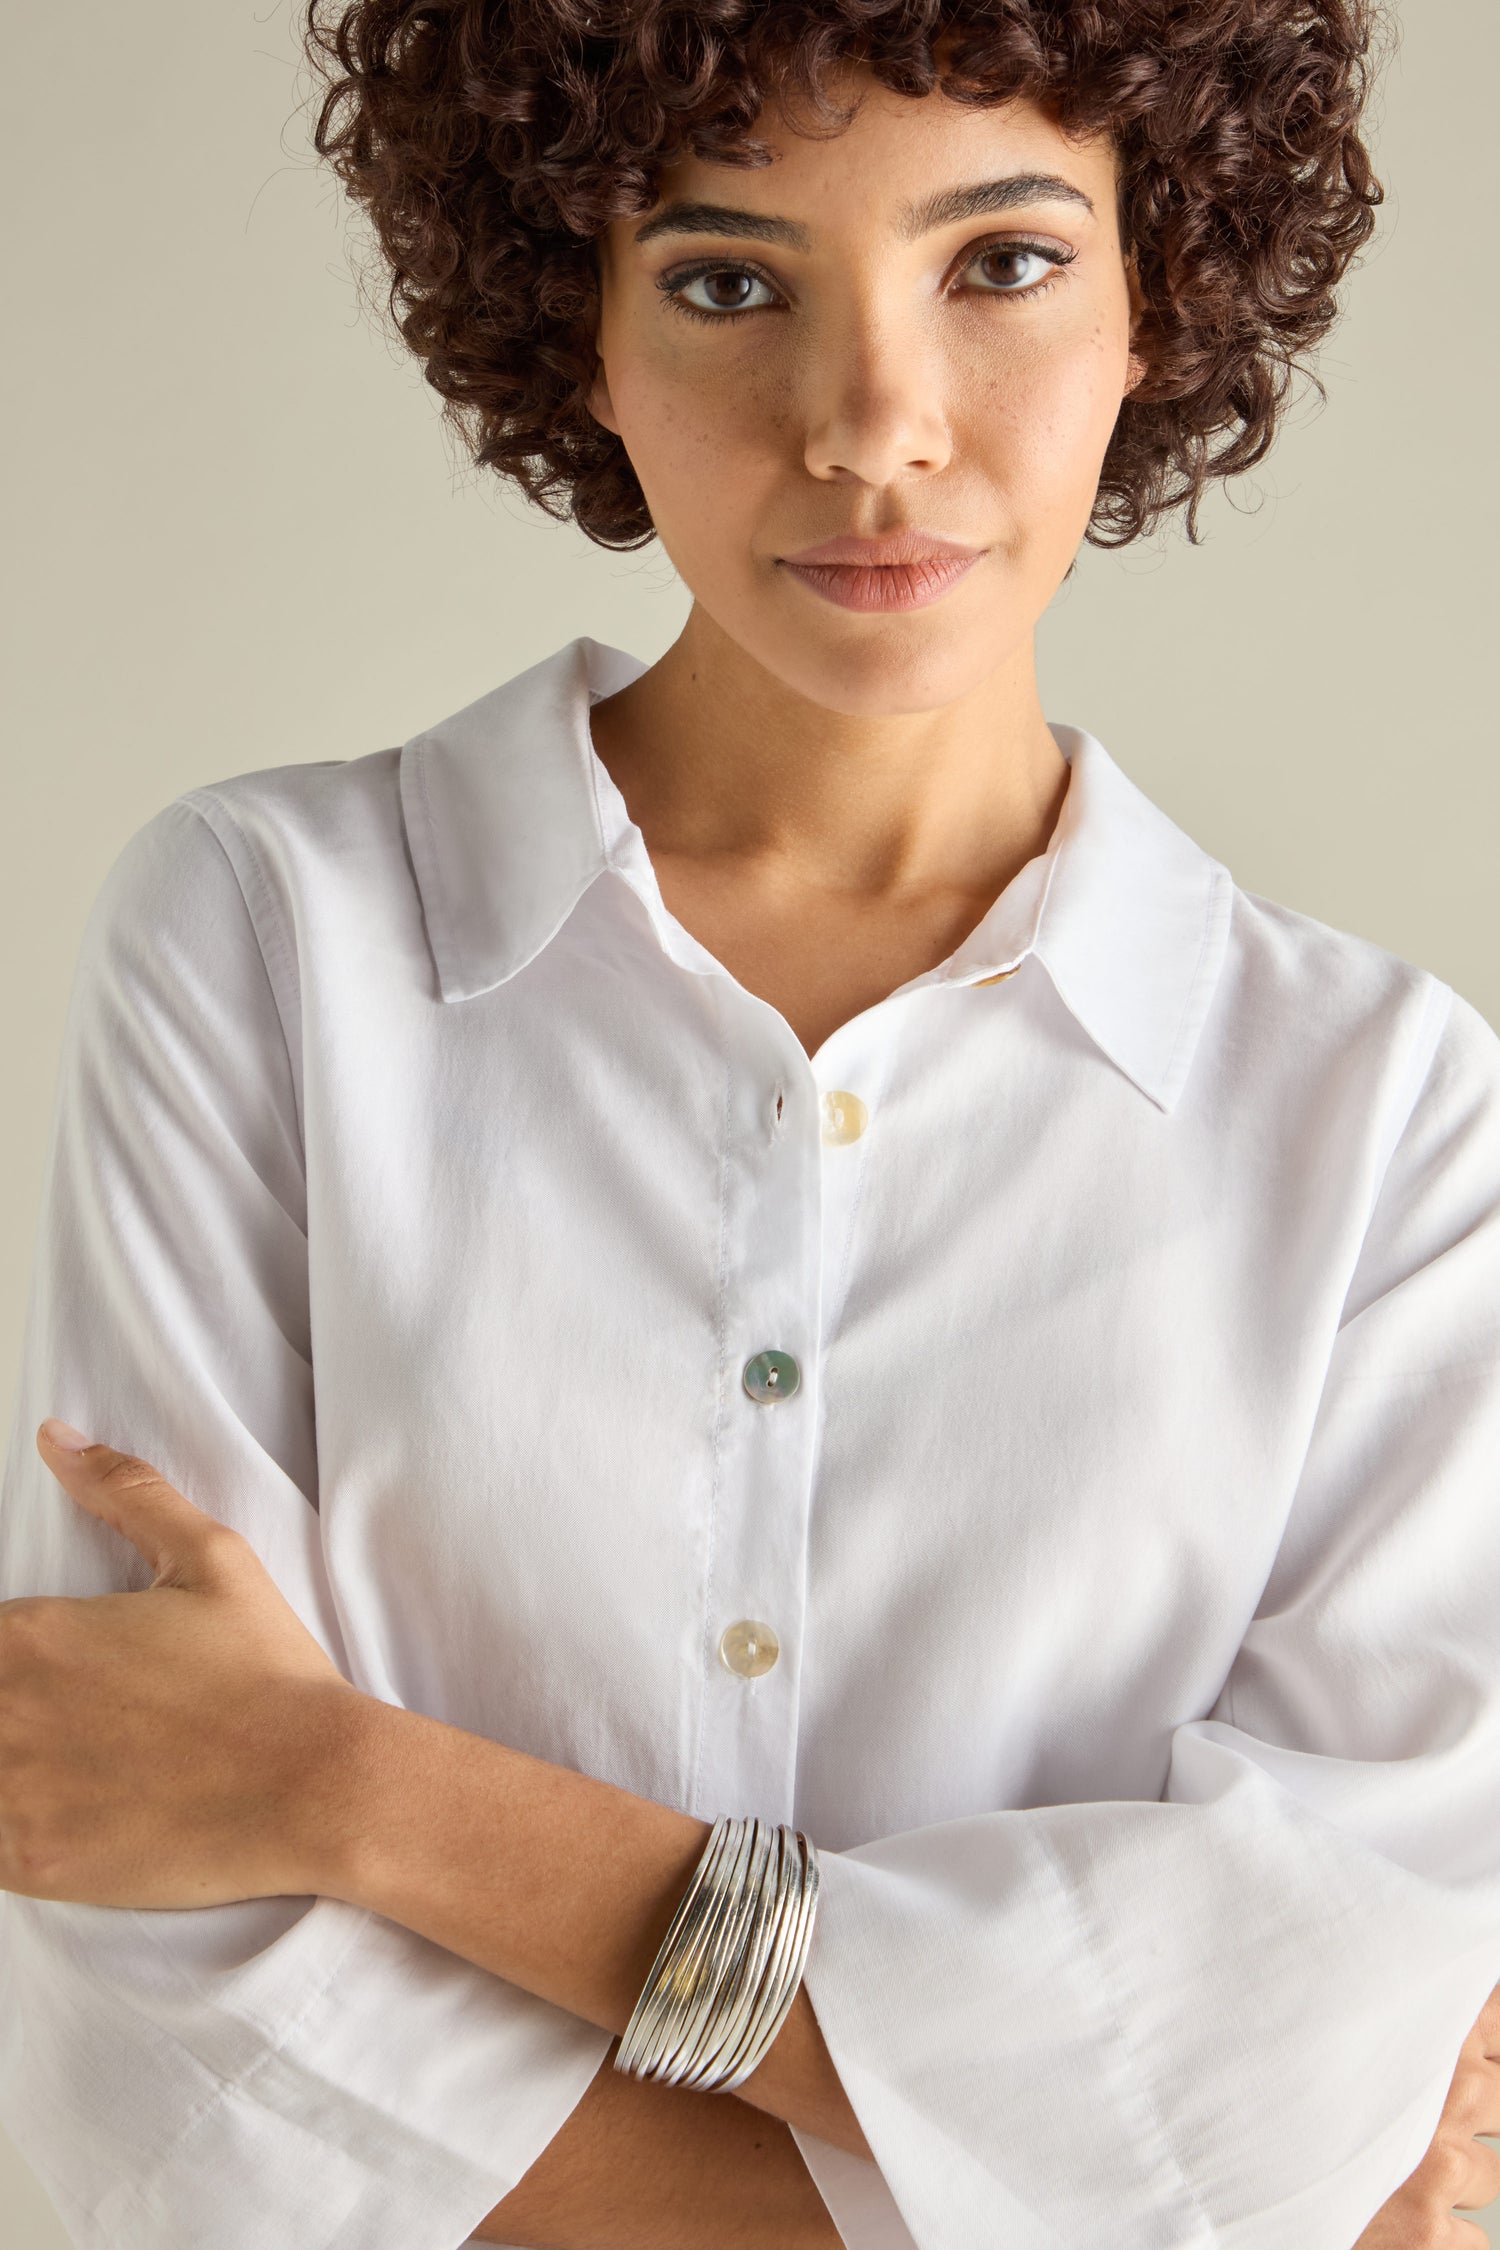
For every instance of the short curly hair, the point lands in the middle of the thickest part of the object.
(490, 141)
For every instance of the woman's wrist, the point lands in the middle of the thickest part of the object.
(636, 2162)
(558, 1882)
(338, 1801)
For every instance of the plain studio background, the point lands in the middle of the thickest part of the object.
(241, 538)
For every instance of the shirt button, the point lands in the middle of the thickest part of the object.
(771, 1375)
(844, 1117)
(749, 1647)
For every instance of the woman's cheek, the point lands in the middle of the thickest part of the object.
(676, 433)
(1048, 434)
(708, 471)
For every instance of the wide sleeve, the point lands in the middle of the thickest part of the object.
(275, 2071)
(1228, 2019)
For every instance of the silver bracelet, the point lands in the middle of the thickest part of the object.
(773, 1987)
(672, 1974)
(711, 2056)
(724, 1930)
(728, 1969)
(794, 1946)
(742, 1889)
(684, 1976)
(695, 1977)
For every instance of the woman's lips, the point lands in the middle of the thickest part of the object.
(904, 585)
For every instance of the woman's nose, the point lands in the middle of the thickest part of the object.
(874, 411)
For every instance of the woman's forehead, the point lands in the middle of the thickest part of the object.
(912, 162)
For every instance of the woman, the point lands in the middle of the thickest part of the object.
(763, 1236)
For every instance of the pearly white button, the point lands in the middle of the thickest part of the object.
(749, 1647)
(844, 1117)
(770, 1376)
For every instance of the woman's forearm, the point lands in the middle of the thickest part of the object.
(641, 2167)
(559, 1883)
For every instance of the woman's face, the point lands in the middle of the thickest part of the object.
(922, 324)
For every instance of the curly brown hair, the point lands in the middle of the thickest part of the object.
(490, 141)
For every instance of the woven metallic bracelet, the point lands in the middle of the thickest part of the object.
(688, 1965)
(676, 1971)
(702, 2018)
(774, 1971)
(741, 1914)
(728, 1969)
(707, 1947)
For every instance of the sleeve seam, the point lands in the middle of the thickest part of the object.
(1437, 1000)
(1103, 1952)
(270, 936)
(1437, 1008)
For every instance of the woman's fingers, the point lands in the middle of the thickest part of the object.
(1487, 2029)
(173, 1746)
(1482, 2187)
(182, 1543)
(1473, 2104)
(1459, 2172)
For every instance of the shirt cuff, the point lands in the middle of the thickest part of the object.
(855, 2190)
(391, 2106)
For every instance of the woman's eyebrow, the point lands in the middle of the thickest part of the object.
(914, 219)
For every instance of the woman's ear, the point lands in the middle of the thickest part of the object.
(596, 397)
(1137, 366)
(599, 402)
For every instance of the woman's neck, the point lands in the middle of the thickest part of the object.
(722, 764)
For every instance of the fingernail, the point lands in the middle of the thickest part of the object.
(64, 1436)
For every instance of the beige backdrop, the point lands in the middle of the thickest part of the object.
(244, 540)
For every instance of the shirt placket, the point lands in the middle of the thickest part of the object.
(798, 1135)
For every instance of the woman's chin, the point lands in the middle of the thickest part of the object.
(870, 665)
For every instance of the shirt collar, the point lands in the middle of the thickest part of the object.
(511, 815)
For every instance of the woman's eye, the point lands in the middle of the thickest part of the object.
(1005, 269)
(721, 289)
(1010, 269)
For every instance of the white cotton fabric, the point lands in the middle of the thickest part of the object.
(417, 1194)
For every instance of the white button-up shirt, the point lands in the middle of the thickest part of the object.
(420, 1194)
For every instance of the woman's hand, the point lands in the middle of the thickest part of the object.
(166, 1748)
(1457, 2169)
